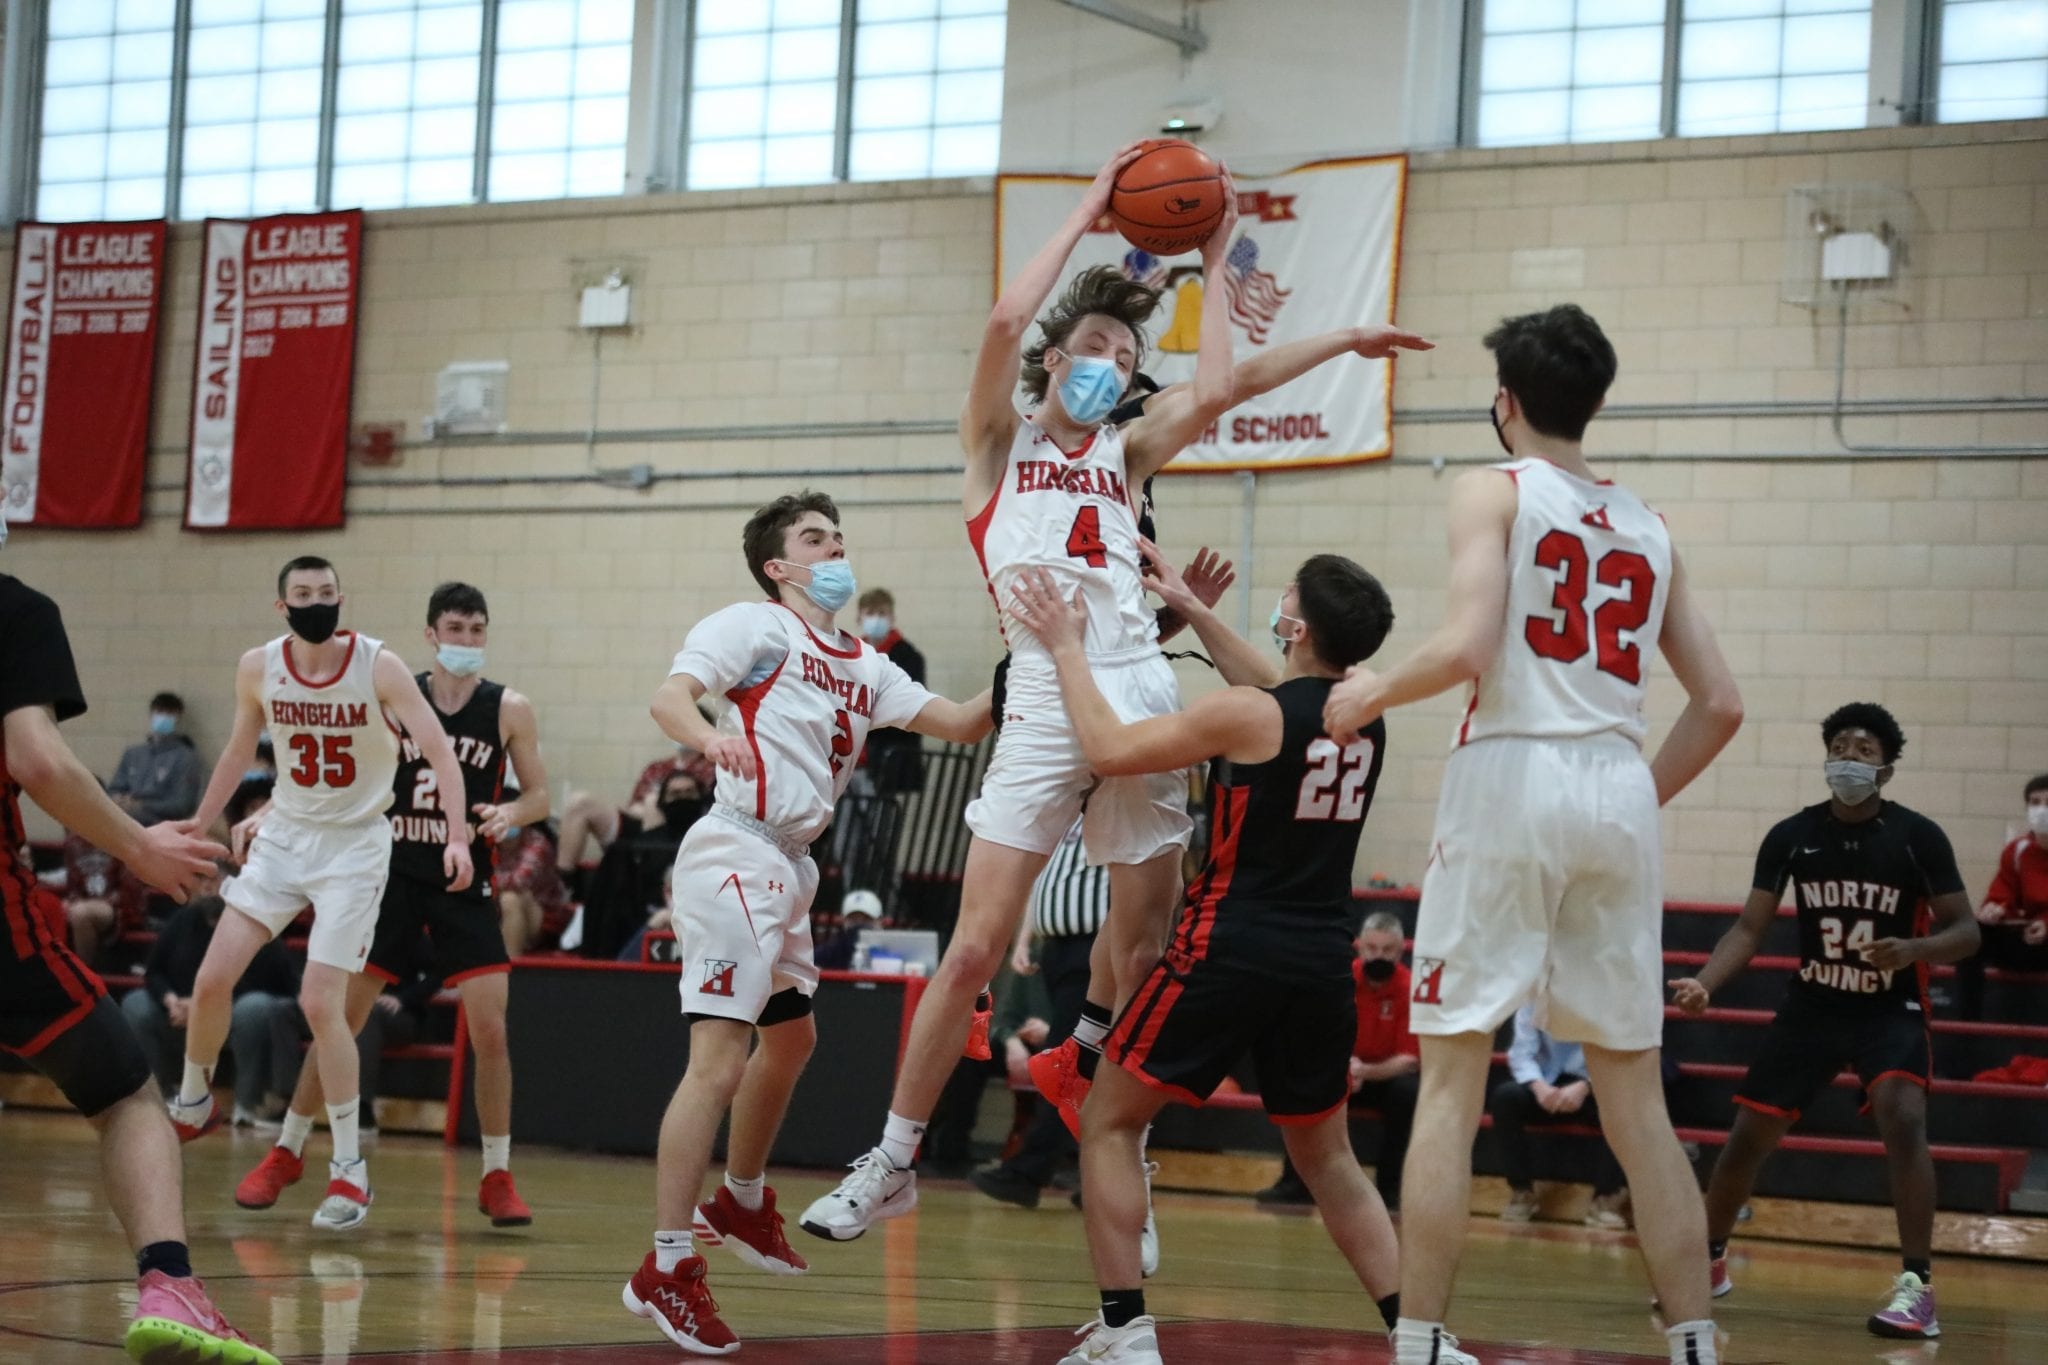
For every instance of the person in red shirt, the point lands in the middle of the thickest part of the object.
(2014, 915)
(1385, 1059)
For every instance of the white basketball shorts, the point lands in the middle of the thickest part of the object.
(1545, 884)
(742, 916)
(1039, 780)
(337, 869)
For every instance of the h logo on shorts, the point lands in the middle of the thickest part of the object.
(718, 977)
(1429, 981)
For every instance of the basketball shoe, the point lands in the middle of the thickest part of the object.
(501, 1201)
(176, 1324)
(874, 1192)
(680, 1304)
(261, 1187)
(205, 1123)
(1134, 1343)
(1442, 1351)
(1723, 1282)
(977, 1048)
(1057, 1074)
(753, 1235)
(346, 1204)
(1910, 1314)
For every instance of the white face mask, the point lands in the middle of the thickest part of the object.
(2037, 821)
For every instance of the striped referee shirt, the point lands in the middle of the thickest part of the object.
(1069, 898)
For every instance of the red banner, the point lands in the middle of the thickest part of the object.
(272, 371)
(81, 366)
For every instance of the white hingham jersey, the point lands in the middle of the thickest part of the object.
(805, 703)
(1070, 514)
(1589, 571)
(336, 751)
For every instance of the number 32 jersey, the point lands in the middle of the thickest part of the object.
(336, 751)
(1071, 514)
(1589, 573)
(803, 703)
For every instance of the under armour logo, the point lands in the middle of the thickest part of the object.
(1596, 517)
(775, 886)
(1429, 981)
(718, 977)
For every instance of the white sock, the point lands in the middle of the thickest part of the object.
(1693, 1343)
(497, 1153)
(671, 1249)
(1089, 1033)
(748, 1194)
(1415, 1341)
(341, 1120)
(900, 1137)
(297, 1128)
(196, 1088)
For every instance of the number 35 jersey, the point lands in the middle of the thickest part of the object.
(1589, 572)
(1070, 514)
(804, 703)
(1853, 884)
(336, 751)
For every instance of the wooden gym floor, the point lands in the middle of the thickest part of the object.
(426, 1279)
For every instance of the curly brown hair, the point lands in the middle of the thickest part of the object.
(1099, 289)
(763, 538)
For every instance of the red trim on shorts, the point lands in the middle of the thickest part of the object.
(1773, 1110)
(977, 536)
(460, 977)
(1883, 1076)
(749, 699)
(833, 650)
(371, 969)
(1192, 938)
(1166, 1088)
(305, 681)
(62, 1025)
(1471, 707)
(32, 938)
(1135, 1051)
(1305, 1120)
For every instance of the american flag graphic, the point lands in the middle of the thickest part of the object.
(1145, 268)
(1255, 296)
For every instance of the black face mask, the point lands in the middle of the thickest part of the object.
(679, 812)
(1379, 971)
(1494, 420)
(315, 622)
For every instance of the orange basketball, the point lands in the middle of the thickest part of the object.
(1169, 200)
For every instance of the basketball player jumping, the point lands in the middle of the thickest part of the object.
(803, 696)
(1545, 880)
(324, 695)
(1261, 960)
(486, 723)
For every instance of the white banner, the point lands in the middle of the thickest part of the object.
(28, 370)
(1316, 250)
(217, 374)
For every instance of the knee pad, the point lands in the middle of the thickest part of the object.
(97, 1062)
(783, 1007)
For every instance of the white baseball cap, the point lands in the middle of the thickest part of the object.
(861, 903)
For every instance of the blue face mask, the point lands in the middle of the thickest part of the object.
(875, 628)
(831, 585)
(163, 723)
(1090, 389)
(462, 660)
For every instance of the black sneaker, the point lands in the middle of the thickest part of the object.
(1001, 1183)
(1286, 1190)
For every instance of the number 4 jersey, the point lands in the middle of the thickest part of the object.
(336, 751)
(803, 702)
(1589, 571)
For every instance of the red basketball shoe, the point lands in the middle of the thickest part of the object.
(261, 1187)
(176, 1324)
(680, 1304)
(977, 1048)
(501, 1201)
(1057, 1074)
(189, 1132)
(753, 1235)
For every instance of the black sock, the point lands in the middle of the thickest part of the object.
(170, 1257)
(1390, 1309)
(1924, 1269)
(1716, 1250)
(1091, 1053)
(1119, 1306)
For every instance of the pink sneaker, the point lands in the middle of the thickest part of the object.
(1910, 1314)
(176, 1324)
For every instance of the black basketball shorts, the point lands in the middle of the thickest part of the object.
(1812, 1040)
(463, 930)
(54, 1012)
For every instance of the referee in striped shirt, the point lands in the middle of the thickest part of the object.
(1068, 904)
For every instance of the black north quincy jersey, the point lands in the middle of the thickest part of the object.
(1853, 885)
(1276, 893)
(419, 828)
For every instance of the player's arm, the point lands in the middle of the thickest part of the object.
(1277, 365)
(959, 722)
(989, 419)
(1241, 663)
(402, 698)
(519, 728)
(1713, 705)
(1178, 415)
(240, 751)
(1482, 513)
(675, 711)
(1956, 935)
(1731, 954)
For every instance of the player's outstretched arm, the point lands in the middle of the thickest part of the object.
(1277, 365)
(957, 722)
(521, 730)
(1731, 954)
(1178, 415)
(1241, 663)
(240, 750)
(1713, 706)
(401, 697)
(1482, 513)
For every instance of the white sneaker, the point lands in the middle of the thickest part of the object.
(1134, 1343)
(1148, 1239)
(1446, 1351)
(875, 1192)
(347, 1202)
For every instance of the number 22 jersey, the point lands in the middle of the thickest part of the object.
(803, 702)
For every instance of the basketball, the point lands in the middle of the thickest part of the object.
(1169, 200)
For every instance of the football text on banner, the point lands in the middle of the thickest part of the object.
(81, 367)
(272, 372)
(1316, 251)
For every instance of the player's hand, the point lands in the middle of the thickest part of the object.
(1892, 954)
(178, 1009)
(1990, 912)
(1572, 1098)
(1163, 581)
(1036, 603)
(1546, 1095)
(1350, 708)
(2036, 932)
(1020, 958)
(456, 864)
(174, 860)
(1017, 1063)
(1688, 994)
(732, 754)
(1403, 1064)
(1377, 343)
(1096, 202)
(1217, 248)
(493, 822)
(1357, 1074)
(388, 1003)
